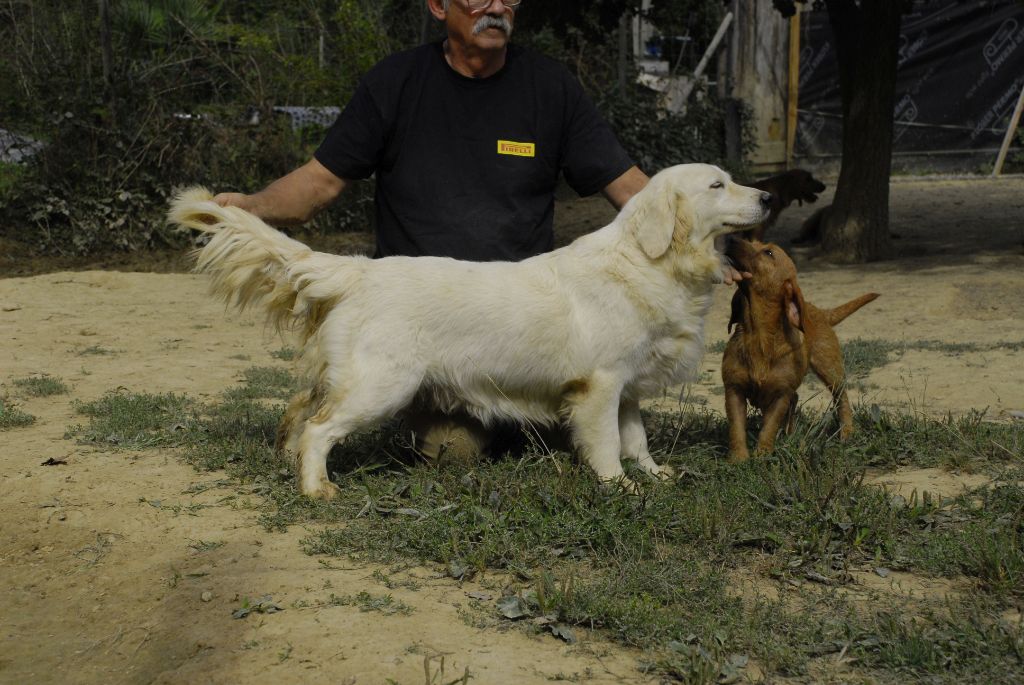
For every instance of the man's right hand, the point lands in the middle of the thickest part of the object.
(240, 200)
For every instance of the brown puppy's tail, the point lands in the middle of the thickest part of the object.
(251, 263)
(837, 314)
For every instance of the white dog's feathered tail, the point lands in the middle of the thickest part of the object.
(251, 263)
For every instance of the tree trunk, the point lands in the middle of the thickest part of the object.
(856, 228)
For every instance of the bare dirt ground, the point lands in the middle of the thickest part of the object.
(125, 567)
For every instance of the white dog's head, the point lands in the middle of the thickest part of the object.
(691, 205)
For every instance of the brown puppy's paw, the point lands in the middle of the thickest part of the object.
(738, 456)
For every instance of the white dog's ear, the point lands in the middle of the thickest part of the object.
(662, 210)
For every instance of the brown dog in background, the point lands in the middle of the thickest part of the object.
(794, 185)
(810, 230)
(778, 335)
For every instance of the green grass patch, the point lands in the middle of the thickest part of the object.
(266, 382)
(657, 570)
(135, 421)
(41, 386)
(286, 353)
(12, 417)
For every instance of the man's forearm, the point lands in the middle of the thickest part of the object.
(625, 186)
(292, 199)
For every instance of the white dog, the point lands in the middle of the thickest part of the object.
(579, 334)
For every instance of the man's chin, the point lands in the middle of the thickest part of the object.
(491, 39)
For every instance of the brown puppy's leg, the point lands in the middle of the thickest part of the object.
(791, 415)
(773, 420)
(736, 412)
(827, 363)
(835, 380)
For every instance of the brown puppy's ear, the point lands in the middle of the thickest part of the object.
(793, 304)
(660, 212)
(738, 309)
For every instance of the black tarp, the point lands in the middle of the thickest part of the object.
(961, 69)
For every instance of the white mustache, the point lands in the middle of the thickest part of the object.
(485, 22)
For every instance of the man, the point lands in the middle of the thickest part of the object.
(467, 138)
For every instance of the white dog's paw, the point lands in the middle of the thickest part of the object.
(620, 482)
(663, 472)
(324, 490)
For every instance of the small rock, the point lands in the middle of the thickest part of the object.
(206, 596)
(563, 632)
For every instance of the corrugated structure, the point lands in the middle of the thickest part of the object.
(961, 71)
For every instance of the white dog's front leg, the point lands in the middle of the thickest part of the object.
(634, 439)
(595, 427)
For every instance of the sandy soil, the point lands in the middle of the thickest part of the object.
(101, 561)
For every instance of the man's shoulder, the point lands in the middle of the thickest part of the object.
(541, 64)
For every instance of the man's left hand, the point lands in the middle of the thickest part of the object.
(733, 276)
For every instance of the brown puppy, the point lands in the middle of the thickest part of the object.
(793, 185)
(778, 336)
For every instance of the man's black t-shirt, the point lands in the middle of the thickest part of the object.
(467, 168)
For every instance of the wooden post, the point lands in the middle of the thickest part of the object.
(1010, 131)
(793, 91)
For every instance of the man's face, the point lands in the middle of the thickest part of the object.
(486, 29)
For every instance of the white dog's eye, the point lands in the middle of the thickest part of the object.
(717, 184)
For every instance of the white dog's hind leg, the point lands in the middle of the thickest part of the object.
(595, 427)
(634, 440)
(362, 402)
(320, 434)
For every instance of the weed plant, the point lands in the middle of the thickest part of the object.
(12, 417)
(41, 386)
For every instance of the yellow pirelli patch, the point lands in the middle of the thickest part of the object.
(511, 147)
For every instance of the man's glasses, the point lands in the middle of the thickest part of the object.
(481, 5)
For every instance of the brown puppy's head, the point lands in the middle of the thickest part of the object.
(772, 281)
